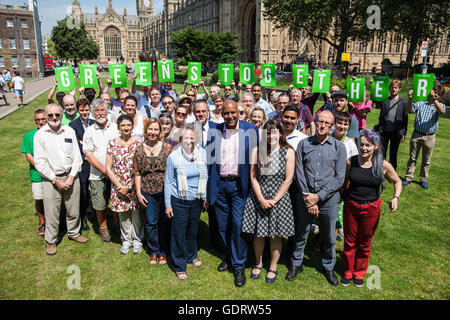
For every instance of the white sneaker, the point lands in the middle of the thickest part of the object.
(314, 228)
(137, 248)
(125, 248)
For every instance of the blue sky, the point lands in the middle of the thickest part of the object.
(50, 11)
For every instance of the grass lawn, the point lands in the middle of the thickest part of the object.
(410, 248)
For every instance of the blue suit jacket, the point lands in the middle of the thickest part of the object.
(248, 138)
(77, 125)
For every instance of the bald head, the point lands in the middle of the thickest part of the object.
(324, 122)
(230, 114)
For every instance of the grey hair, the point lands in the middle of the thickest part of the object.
(196, 102)
(296, 90)
(97, 103)
(247, 94)
(54, 105)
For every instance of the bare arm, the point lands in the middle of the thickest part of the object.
(133, 86)
(95, 163)
(393, 177)
(289, 176)
(100, 84)
(29, 157)
(410, 101)
(52, 91)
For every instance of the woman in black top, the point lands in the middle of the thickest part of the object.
(362, 205)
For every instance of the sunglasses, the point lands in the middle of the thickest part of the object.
(39, 119)
(51, 115)
(241, 111)
(180, 114)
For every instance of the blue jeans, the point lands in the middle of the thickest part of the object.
(156, 224)
(328, 211)
(183, 241)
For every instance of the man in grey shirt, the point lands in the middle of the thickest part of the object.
(320, 173)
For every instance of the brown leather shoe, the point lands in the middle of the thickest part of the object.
(104, 234)
(51, 249)
(79, 238)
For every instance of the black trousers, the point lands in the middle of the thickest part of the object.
(84, 189)
(391, 137)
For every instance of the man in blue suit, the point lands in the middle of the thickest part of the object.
(79, 125)
(228, 150)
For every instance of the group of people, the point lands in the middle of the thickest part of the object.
(261, 169)
(15, 83)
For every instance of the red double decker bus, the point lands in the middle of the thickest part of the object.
(49, 64)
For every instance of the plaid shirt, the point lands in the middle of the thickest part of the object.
(427, 117)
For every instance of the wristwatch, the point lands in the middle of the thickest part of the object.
(53, 181)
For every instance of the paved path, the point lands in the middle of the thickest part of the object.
(33, 89)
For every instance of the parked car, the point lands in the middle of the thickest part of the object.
(282, 75)
(446, 82)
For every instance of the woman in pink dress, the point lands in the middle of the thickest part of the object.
(119, 168)
(360, 111)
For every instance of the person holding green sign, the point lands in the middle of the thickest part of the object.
(424, 135)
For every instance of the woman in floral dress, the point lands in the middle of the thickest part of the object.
(119, 168)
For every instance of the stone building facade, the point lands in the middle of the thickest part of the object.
(262, 43)
(119, 37)
(19, 44)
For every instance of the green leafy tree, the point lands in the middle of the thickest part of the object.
(209, 48)
(332, 21)
(72, 43)
(417, 20)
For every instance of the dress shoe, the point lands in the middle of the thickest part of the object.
(223, 266)
(239, 277)
(293, 271)
(332, 278)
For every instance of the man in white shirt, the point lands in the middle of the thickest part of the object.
(289, 118)
(58, 160)
(95, 142)
(260, 102)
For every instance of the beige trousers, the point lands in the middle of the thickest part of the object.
(419, 141)
(131, 227)
(52, 207)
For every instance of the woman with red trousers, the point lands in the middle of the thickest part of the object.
(365, 177)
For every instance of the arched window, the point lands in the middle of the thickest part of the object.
(113, 47)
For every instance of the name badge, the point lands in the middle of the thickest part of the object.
(68, 140)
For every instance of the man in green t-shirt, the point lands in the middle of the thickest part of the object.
(70, 110)
(35, 177)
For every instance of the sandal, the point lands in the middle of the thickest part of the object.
(153, 259)
(41, 230)
(255, 276)
(197, 262)
(181, 275)
(162, 260)
(271, 280)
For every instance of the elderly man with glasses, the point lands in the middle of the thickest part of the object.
(58, 160)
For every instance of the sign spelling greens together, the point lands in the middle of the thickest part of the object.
(355, 89)
(65, 79)
(194, 72)
(422, 86)
(300, 75)
(379, 89)
(268, 72)
(226, 73)
(88, 76)
(143, 73)
(165, 71)
(118, 74)
(247, 73)
(321, 81)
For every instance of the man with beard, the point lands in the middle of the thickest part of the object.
(70, 112)
(80, 124)
(35, 177)
(58, 161)
(95, 141)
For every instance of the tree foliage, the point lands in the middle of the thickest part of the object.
(209, 48)
(417, 20)
(333, 21)
(73, 43)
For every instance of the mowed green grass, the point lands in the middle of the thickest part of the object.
(410, 247)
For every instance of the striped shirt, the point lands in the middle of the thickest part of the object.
(427, 117)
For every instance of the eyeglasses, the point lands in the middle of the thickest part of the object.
(181, 114)
(167, 102)
(51, 115)
(39, 119)
(328, 124)
(191, 95)
(241, 111)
